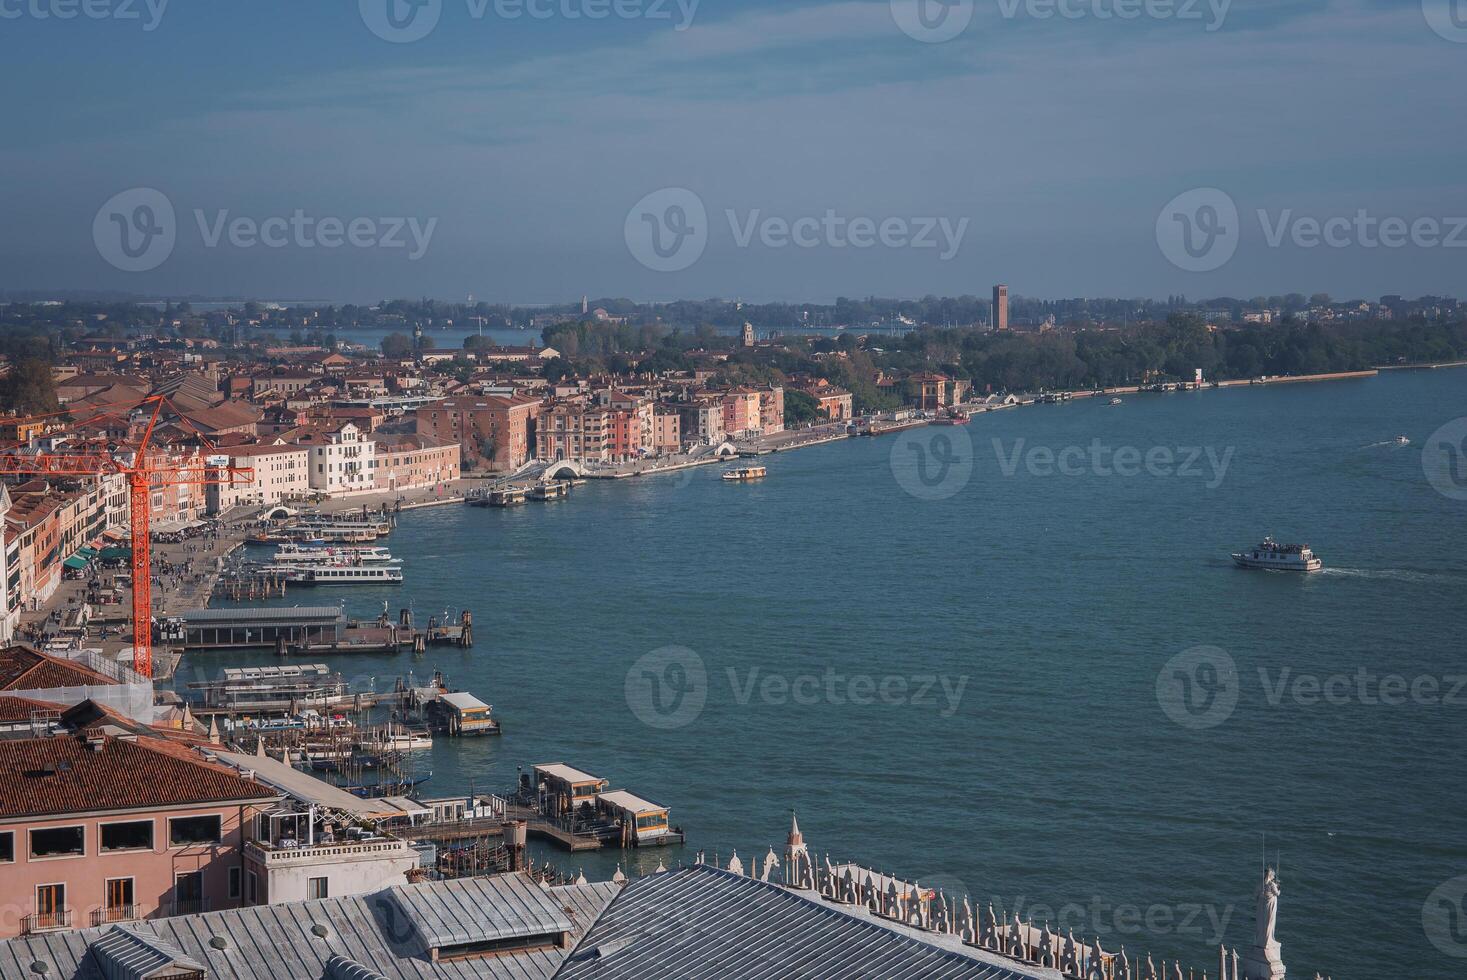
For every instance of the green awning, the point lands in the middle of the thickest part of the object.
(76, 562)
(112, 554)
(87, 551)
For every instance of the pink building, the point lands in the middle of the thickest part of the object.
(741, 413)
(105, 820)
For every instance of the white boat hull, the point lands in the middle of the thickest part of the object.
(1278, 564)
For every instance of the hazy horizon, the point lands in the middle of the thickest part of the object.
(520, 157)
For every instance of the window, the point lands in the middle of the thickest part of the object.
(135, 835)
(118, 898)
(51, 906)
(58, 842)
(183, 831)
(252, 887)
(234, 882)
(7, 847)
(316, 888)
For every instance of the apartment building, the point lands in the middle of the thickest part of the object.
(281, 473)
(102, 820)
(492, 432)
(415, 460)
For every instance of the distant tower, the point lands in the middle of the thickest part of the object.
(585, 305)
(796, 856)
(1000, 307)
(748, 334)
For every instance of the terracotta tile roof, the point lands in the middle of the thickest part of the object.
(24, 669)
(62, 774)
(13, 709)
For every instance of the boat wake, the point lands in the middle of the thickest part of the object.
(1390, 574)
(1393, 443)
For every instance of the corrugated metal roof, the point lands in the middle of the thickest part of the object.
(252, 614)
(125, 954)
(702, 922)
(302, 786)
(278, 942)
(455, 913)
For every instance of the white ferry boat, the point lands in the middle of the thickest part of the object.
(294, 554)
(746, 473)
(336, 574)
(1282, 557)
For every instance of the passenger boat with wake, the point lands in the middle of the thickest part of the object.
(1280, 557)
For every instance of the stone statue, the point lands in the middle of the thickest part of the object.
(1268, 909)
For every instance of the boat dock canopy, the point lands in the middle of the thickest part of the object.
(463, 702)
(567, 774)
(258, 616)
(630, 802)
(305, 788)
(275, 673)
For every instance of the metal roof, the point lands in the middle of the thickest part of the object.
(463, 701)
(567, 773)
(455, 913)
(341, 968)
(702, 922)
(302, 786)
(128, 955)
(630, 801)
(295, 941)
(257, 614)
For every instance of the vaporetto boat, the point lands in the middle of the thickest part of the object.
(378, 574)
(295, 554)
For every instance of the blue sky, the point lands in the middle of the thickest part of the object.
(1054, 142)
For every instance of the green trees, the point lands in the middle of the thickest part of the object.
(800, 408)
(30, 389)
(396, 346)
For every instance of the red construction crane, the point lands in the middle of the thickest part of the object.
(142, 478)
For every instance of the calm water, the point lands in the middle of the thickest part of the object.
(1056, 776)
